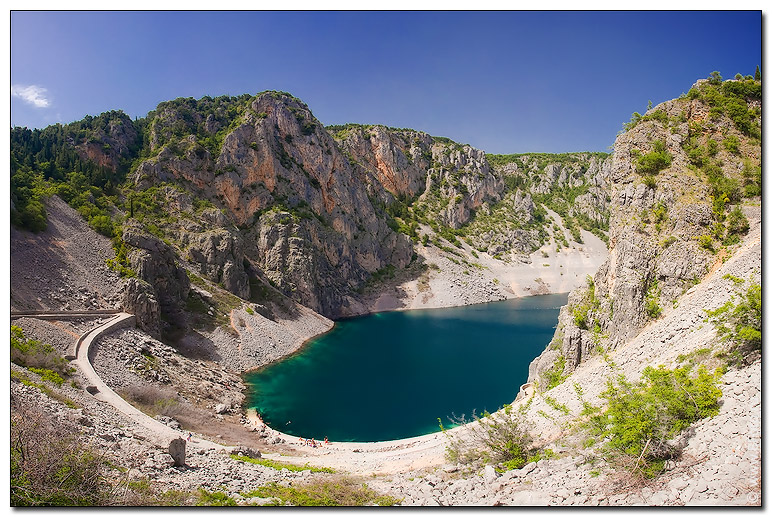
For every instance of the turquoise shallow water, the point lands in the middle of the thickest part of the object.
(391, 375)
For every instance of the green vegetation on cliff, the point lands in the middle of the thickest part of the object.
(60, 160)
(738, 321)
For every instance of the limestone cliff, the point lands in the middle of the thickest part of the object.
(442, 181)
(291, 200)
(572, 185)
(677, 182)
(155, 264)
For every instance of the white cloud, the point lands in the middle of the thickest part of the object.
(32, 94)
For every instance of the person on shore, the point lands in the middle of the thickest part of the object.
(190, 435)
(326, 441)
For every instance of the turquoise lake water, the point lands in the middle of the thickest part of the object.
(391, 375)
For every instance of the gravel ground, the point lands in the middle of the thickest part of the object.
(62, 268)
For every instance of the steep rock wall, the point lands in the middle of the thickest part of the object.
(665, 227)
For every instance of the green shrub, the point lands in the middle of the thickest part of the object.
(32, 216)
(499, 438)
(102, 224)
(654, 161)
(732, 144)
(737, 223)
(651, 304)
(580, 316)
(751, 179)
(120, 264)
(48, 375)
(659, 212)
(556, 374)
(706, 243)
(740, 323)
(712, 147)
(32, 353)
(642, 417)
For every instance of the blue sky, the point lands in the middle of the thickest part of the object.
(504, 82)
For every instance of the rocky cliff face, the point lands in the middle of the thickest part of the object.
(459, 183)
(390, 160)
(443, 181)
(111, 144)
(300, 212)
(155, 264)
(674, 178)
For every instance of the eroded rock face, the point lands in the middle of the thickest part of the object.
(138, 298)
(219, 256)
(155, 263)
(659, 236)
(451, 180)
(397, 160)
(276, 156)
(462, 180)
(317, 266)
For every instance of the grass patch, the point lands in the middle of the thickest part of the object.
(31, 353)
(344, 492)
(279, 465)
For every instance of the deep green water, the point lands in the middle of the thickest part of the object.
(391, 375)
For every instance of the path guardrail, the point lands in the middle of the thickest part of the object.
(63, 315)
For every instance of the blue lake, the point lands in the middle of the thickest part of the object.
(391, 375)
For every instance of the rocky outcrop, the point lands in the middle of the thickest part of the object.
(458, 183)
(155, 263)
(139, 299)
(218, 254)
(110, 144)
(663, 226)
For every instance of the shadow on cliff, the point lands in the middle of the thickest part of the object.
(383, 292)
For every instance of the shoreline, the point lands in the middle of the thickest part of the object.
(443, 284)
(256, 423)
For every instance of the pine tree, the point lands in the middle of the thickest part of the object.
(757, 76)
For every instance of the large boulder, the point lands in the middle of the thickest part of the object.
(138, 298)
(177, 451)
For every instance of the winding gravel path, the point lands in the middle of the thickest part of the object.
(159, 433)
